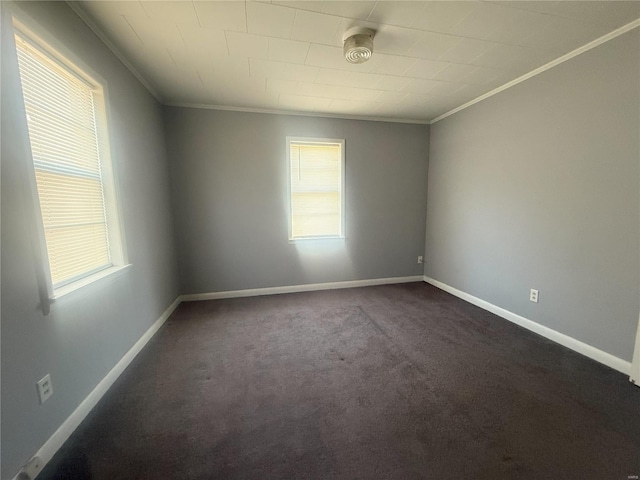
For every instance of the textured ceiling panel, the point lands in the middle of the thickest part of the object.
(429, 57)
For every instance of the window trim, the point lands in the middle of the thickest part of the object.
(317, 140)
(24, 26)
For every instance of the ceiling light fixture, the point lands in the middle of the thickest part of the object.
(358, 44)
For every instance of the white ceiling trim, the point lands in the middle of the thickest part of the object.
(297, 113)
(85, 18)
(598, 41)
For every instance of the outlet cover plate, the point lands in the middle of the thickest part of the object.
(45, 388)
(533, 295)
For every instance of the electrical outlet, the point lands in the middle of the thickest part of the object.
(45, 388)
(419, 258)
(533, 296)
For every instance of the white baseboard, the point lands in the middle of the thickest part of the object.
(299, 288)
(48, 450)
(55, 442)
(565, 340)
(634, 376)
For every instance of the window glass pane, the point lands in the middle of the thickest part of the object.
(61, 116)
(316, 196)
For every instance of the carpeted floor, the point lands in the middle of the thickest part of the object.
(389, 382)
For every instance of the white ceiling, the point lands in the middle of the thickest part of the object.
(429, 56)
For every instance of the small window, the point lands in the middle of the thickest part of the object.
(316, 188)
(67, 132)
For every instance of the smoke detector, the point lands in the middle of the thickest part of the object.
(358, 44)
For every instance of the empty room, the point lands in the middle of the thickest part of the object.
(320, 240)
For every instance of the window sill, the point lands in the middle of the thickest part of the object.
(90, 280)
(316, 239)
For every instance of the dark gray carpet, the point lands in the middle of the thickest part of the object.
(390, 382)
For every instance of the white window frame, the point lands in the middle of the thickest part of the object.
(342, 185)
(46, 43)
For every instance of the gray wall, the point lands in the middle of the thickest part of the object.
(228, 172)
(90, 330)
(537, 187)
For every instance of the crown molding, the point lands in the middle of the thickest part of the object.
(101, 35)
(206, 106)
(599, 41)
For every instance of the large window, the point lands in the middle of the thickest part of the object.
(67, 131)
(316, 188)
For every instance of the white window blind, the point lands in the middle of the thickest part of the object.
(316, 195)
(64, 114)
